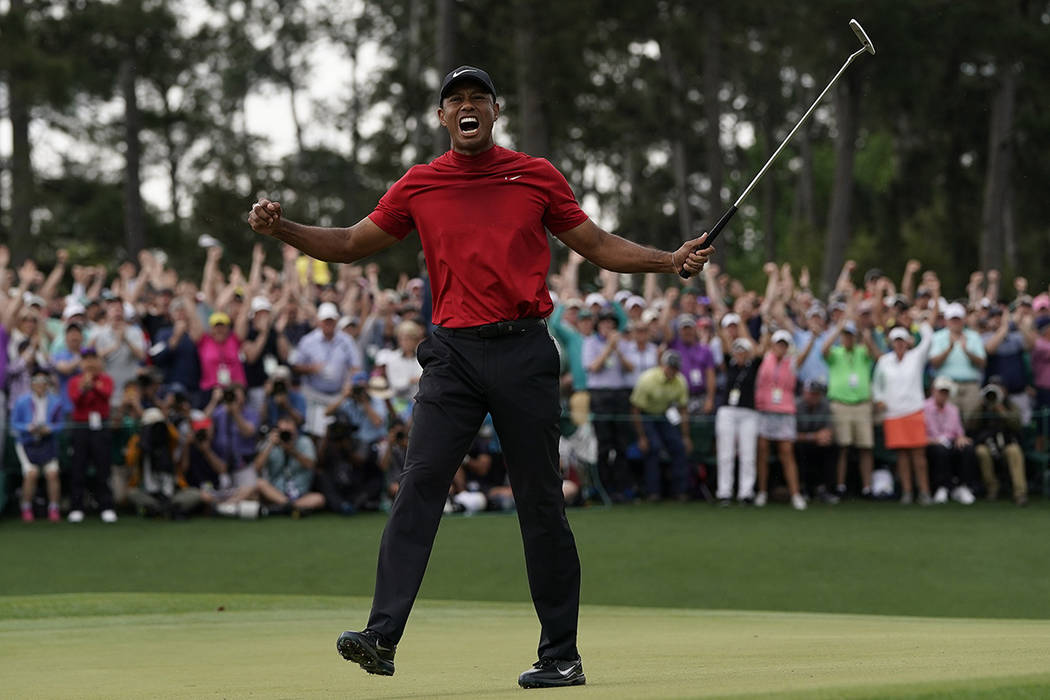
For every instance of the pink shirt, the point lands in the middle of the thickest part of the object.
(1041, 362)
(943, 425)
(775, 385)
(224, 360)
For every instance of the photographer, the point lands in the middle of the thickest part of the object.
(347, 476)
(282, 398)
(203, 471)
(153, 458)
(236, 428)
(996, 430)
(285, 467)
(368, 413)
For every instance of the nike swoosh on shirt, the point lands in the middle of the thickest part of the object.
(508, 177)
(459, 73)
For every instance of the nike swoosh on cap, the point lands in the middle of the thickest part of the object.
(459, 73)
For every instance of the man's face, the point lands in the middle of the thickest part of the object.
(812, 398)
(848, 339)
(469, 112)
(328, 327)
(940, 397)
(687, 333)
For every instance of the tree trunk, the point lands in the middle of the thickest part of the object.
(676, 127)
(21, 164)
(769, 190)
(445, 26)
(838, 233)
(531, 112)
(134, 223)
(712, 77)
(995, 215)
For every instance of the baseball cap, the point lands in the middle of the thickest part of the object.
(741, 345)
(328, 312)
(686, 320)
(782, 336)
(943, 384)
(900, 333)
(815, 385)
(594, 298)
(849, 327)
(260, 304)
(152, 416)
(199, 420)
(634, 302)
(1041, 302)
(573, 303)
(219, 317)
(622, 296)
(815, 310)
(730, 319)
(955, 310)
(671, 359)
(71, 310)
(88, 352)
(360, 378)
(458, 75)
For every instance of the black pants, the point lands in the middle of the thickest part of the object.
(614, 432)
(816, 465)
(94, 446)
(952, 466)
(515, 378)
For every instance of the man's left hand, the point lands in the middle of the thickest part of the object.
(692, 256)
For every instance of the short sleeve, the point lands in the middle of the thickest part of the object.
(392, 212)
(563, 211)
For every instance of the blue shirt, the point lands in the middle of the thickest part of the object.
(611, 374)
(181, 363)
(235, 449)
(957, 365)
(367, 432)
(340, 357)
(814, 367)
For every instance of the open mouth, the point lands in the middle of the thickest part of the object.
(469, 125)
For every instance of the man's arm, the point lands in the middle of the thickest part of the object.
(611, 252)
(329, 244)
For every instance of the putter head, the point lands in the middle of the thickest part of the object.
(862, 35)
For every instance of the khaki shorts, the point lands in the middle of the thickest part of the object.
(853, 424)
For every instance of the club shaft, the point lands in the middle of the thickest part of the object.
(801, 121)
(713, 234)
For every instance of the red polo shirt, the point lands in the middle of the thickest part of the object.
(482, 222)
(95, 399)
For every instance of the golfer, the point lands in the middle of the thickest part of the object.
(482, 213)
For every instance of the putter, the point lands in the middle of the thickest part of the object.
(866, 45)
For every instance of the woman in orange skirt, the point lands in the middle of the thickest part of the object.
(898, 392)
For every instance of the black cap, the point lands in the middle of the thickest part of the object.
(465, 73)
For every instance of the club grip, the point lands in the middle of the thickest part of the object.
(715, 230)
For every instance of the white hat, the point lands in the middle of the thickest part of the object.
(633, 302)
(281, 372)
(152, 416)
(594, 298)
(881, 482)
(782, 336)
(900, 333)
(71, 310)
(260, 303)
(573, 303)
(730, 319)
(622, 296)
(955, 310)
(328, 312)
(650, 315)
(742, 344)
(944, 384)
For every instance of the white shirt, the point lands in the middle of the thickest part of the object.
(898, 382)
(400, 372)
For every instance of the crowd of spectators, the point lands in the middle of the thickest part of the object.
(289, 389)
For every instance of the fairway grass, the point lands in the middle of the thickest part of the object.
(185, 646)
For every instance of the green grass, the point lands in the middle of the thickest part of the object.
(984, 561)
(863, 600)
(286, 650)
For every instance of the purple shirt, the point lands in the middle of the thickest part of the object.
(4, 340)
(229, 443)
(696, 360)
(943, 425)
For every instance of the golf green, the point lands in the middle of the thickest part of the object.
(284, 647)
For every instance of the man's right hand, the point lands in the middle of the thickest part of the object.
(265, 217)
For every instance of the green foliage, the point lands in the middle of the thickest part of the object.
(618, 87)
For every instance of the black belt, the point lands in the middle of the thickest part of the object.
(499, 329)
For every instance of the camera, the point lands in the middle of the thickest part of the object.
(359, 392)
(991, 395)
(285, 435)
(399, 435)
(229, 395)
(201, 435)
(341, 428)
(279, 387)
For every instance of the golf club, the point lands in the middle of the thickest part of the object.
(866, 45)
